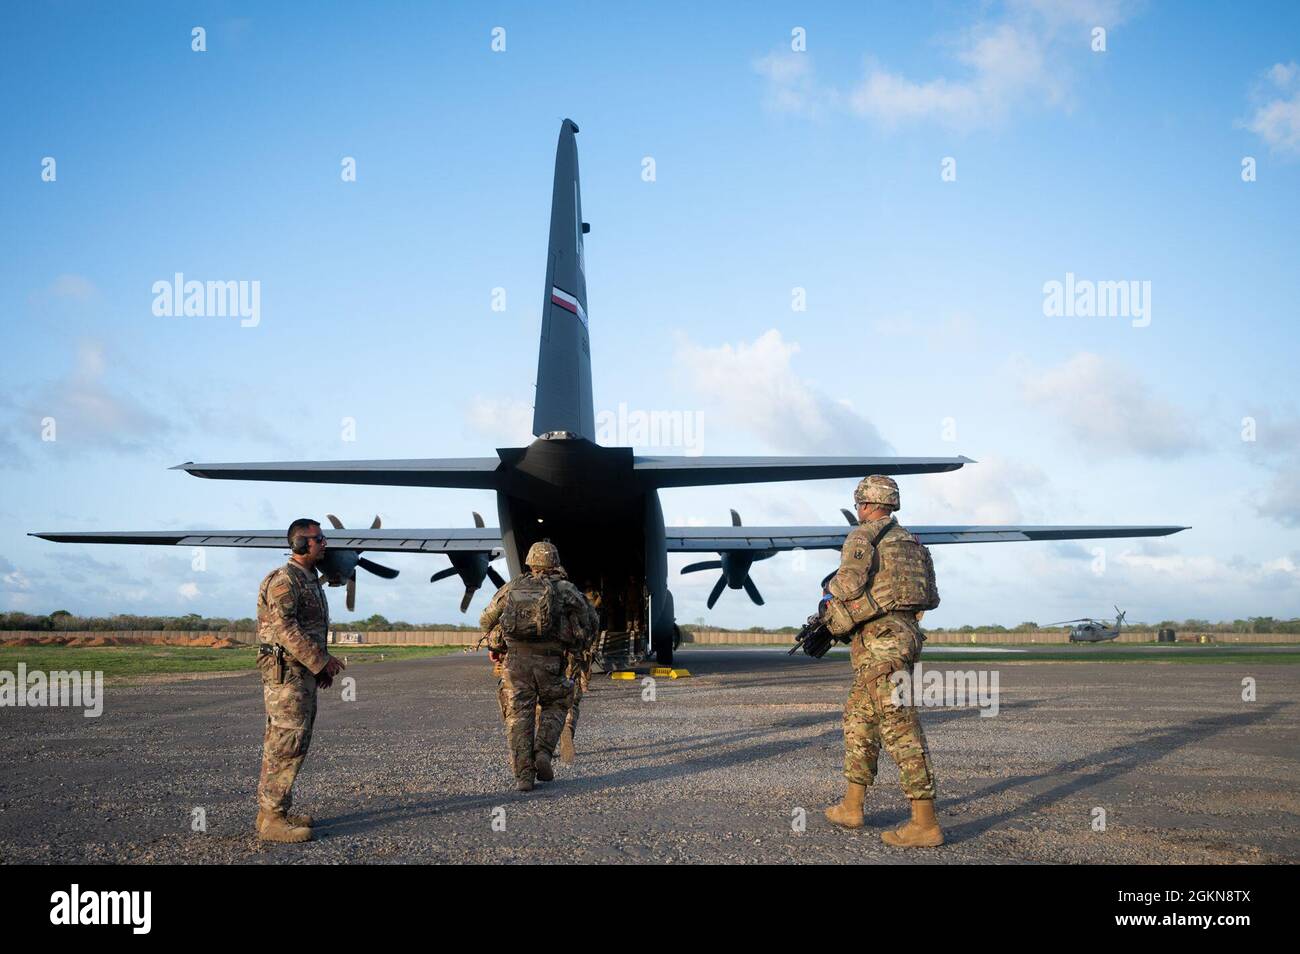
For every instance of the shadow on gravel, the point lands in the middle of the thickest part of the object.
(708, 755)
(1101, 767)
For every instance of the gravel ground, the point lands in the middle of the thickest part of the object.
(714, 769)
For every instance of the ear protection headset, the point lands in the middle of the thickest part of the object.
(300, 543)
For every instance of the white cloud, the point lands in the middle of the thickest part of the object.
(792, 85)
(1276, 450)
(954, 331)
(1280, 499)
(16, 580)
(1276, 118)
(76, 287)
(994, 491)
(1003, 63)
(87, 410)
(188, 591)
(67, 287)
(1200, 569)
(1006, 65)
(501, 419)
(757, 391)
(1107, 407)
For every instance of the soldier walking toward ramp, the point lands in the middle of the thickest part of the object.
(884, 584)
(292, 624)
(534, 622)
(578, 671)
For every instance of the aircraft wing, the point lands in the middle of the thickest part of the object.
(476, 473)
(713, 539)
(706, 471)
(451, 540)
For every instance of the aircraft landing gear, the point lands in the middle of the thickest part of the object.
(664, 653)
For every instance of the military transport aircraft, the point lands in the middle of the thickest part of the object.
(566, 488)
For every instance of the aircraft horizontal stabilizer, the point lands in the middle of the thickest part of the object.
(707, 471)
(475, 473)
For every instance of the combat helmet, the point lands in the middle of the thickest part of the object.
(542, 556)
(877, 489)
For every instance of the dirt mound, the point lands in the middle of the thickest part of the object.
(205, 641)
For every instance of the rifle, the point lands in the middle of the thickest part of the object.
(814, 639)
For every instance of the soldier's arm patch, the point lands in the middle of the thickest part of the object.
(851, 578)
(282, 597)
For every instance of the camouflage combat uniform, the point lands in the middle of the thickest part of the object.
(881, 644)
(578, 670)
(291, 612)
(532, 688)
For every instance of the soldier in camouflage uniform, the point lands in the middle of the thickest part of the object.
(578, 671)
(292, 623)
(875, 564)
(533, 668)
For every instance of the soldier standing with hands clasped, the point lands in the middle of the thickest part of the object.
(884, 584)
(533, 623)
(292, 625)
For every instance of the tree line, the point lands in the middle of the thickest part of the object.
(64, 621)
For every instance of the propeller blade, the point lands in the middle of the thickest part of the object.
(352, 593)
(378, 569)
(374, 524)
(496, 577)
(443, 574)
(706, 565)
(752, 590)
(853, 521)
(735, 519)
(717, 590)
(335, 522)
(469, 595)
(478, 519)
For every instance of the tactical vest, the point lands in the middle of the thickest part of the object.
(532, 610)
(902, 573)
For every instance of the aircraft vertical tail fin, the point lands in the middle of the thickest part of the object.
(563, 401)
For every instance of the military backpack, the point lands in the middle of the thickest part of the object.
(532, 609)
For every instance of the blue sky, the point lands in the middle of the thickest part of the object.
(775, 169)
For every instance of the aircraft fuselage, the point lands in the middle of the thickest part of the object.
(607, 526)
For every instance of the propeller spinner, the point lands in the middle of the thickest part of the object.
(339, 566)
(472, 566)
(734, 565)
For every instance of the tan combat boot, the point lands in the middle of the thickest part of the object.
(922, 831)
(848, 812)
(566, 745)
(524, 784)
(299, 821)
(542, 763)
(272, 827)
